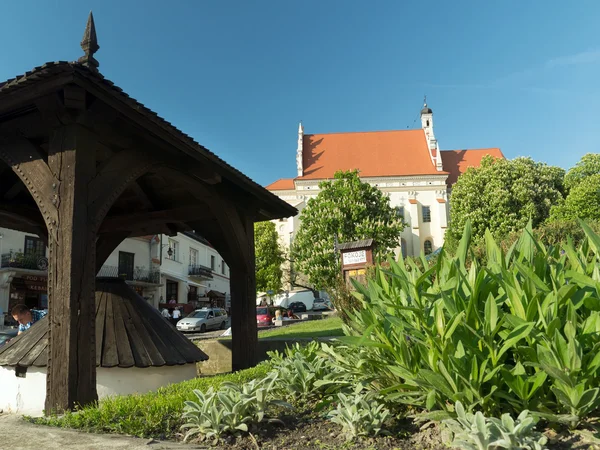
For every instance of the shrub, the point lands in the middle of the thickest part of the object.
(231, 409)
(359, 414)
(522, 332)
(475, 432)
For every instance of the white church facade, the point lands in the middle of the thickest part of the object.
(407, 165)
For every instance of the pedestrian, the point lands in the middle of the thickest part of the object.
(176, 315)
(172, 301)
(165, 313)
(26, 317)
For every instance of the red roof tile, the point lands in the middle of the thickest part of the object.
(456, 162)
(374, 154)
(283, 184)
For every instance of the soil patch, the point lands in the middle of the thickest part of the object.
(311, 433)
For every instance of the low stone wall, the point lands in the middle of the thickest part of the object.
(219, 352)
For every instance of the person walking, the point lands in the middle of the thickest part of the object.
(176, 315)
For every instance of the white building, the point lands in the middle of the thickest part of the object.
(191, 271)
(408, 165)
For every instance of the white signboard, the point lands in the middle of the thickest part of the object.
(356, 257)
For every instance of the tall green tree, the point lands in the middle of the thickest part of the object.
(583, 198)
(269, 257)
(351, 210)
(587, 166)
(503, 195)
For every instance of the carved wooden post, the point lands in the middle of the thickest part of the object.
(71, 274)
(243, 305)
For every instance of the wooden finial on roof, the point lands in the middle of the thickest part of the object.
(89, 44)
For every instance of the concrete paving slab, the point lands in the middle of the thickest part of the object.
(18, 434)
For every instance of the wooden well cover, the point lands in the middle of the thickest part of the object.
(129, 333)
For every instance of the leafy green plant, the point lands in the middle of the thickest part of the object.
(359, 414)
(298, 369)
(521, 332)
(231, 409)
(153, 414)
(476, 432)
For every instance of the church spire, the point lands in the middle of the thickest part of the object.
(89, 44)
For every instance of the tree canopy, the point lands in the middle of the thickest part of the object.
(269, 257)
(503, 195)
(347, 208)
(583, 198)
(587, 166)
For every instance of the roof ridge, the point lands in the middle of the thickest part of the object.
(362, 132)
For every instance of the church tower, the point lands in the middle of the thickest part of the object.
(432, 144)
(299, 155)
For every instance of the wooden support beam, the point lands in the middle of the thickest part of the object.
(143, 196)
(105, 245)
(147, 219)
(113, 177)
(14, 190)
(71, 377)
(29, 165)
(25, 214)
(244, 333)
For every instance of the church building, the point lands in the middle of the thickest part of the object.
(407, 165)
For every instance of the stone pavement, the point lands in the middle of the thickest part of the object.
(17, 434)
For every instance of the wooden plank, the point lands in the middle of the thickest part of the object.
(35, 351)
(123, 343)
(127, 222)
(136, 344)
(100, 325)
(12, 353)
(110, 357)
(152, 354)
(42, 360)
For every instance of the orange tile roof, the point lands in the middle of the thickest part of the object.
(283, 184)
(457, 162)
(374, 154)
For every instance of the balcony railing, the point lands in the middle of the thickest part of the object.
(138, 274)
(198, 270)
(22, 261)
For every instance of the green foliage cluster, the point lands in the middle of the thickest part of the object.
(154, 414)
(232, 409)
(476, 432)
(522, 332)
(502, 195)
(583, 185)
(347, 208)
(269, 257)
(360, 414)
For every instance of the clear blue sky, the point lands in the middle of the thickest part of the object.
(240, 75)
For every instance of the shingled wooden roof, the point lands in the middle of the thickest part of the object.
(129, 333)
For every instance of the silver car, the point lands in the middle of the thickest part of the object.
(204, 319)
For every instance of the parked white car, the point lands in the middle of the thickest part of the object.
(204, 319)
(320, 304)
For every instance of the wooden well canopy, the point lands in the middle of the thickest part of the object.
(84, 166)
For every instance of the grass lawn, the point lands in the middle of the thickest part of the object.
(154, 414)
(309, 329)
